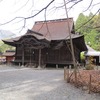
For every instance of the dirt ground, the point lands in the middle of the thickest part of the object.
(44, 84)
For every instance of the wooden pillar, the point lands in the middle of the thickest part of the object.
(57, 66)
(30, 57)
(65, 73)
(39, 66)
(22, 56)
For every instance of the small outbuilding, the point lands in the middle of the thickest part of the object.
(9, 56)
(95, 55)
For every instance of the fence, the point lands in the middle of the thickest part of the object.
(87, 79)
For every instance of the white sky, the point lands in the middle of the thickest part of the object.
(10, 9)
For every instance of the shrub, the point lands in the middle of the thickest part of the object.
(89, 67)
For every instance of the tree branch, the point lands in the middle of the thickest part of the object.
(41, 10)
(12, 20)
(89, 6)
(30, 16)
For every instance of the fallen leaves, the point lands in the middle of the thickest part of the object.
(83, 79)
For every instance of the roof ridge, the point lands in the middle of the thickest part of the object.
(55, 20)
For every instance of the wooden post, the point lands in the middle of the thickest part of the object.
(19, 64)
(70, 67)
(89, 85)
(65, 73)
(68, 76)
(39, 58)
(30, 58)
(22, 56)
(57, 66)
(75, 73)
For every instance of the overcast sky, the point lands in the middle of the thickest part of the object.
(10, 9)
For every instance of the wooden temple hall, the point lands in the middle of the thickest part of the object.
(48, 42)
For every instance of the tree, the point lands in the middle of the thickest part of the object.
(90, 38)
(89, 29)
(81, 19)
(96, 23)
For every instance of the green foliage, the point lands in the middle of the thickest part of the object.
(82, 55)
(91, 38)
(96, 23)
(81, 19)
(4, 47)
(90, 28)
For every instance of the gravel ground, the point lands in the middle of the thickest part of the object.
(31, 84)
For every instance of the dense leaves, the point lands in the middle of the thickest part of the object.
(89, 26)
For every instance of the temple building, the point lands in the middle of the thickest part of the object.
(48, 42)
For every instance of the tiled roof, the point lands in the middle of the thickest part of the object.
(54, 29)
(49, 30)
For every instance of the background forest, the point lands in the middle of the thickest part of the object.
(89, 26)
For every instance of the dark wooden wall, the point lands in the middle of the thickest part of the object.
(48, 55)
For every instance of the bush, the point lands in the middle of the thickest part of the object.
(89, 67)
